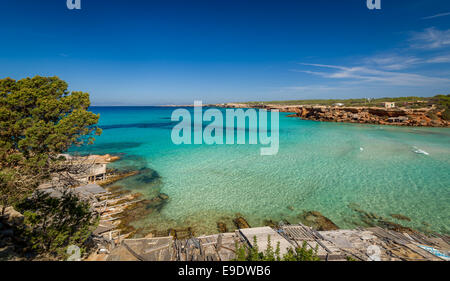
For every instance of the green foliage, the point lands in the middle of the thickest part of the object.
(446, 114)
(39, 118)
(302, 254)
(53, 224)
(443, 104)
(347, 102)
(252, 253)
(442, 101)
(241, 253)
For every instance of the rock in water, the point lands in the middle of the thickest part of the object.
(395, 227)
(317, 221)
(222, 227)
(400, 217)
(270, 223)
(240, 222)
(163, 196)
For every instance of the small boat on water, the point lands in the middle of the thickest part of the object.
(420, 151)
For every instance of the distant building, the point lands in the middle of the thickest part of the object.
(338, 104)
(389, 104)
(89, 168)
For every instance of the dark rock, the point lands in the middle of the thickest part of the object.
(181, 233)
(240, 222)
(355, 207)
(222, 227)
(159, 200)
(395, 226)
(135, 212)
(163, 196)
(270, 223)
(7, 233)
(372, 219)
(317, 221)
(374, 216)
(400, 217)
(12, 217)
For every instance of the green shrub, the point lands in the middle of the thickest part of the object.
(446, 114)
(302, 254)
(443, 103)
(252, 253)
(53, 224)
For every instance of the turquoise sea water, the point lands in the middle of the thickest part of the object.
(319, 166)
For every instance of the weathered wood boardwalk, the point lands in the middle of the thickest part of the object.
(360, 244)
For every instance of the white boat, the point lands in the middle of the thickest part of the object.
(420, 151)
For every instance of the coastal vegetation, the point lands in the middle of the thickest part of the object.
(52, 224)
(443, 103)
(410, 102)
(270, 254)
(39, 120)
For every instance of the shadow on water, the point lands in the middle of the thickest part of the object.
(147, 176)
(147, 181)
(129, 162)
(164, 125)
(170, 125)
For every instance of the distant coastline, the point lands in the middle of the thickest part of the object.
(402, 111)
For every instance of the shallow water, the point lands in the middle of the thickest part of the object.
(320, 166)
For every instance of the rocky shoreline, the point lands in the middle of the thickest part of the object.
(125, 207)
(420, 117)
(118, 208)
(134, 206)
(318, 232)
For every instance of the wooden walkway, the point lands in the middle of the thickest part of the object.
(360, 244)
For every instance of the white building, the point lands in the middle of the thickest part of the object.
(389, 104)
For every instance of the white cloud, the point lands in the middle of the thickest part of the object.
(408, 69)
(431, 38)
(439, 59)
(395, 62)
(392, 61)
(362, 74)
(436, 16)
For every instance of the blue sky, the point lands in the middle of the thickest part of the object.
(172, 52)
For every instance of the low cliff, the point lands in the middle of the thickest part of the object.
(372, 115)
(426, 117)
